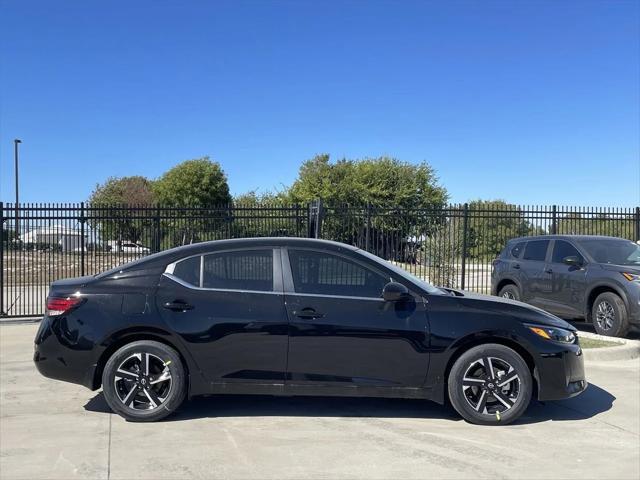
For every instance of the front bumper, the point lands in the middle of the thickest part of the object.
(59, 356)
(560, 374)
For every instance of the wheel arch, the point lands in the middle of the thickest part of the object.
(129, 336)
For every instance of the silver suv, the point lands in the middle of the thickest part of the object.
(574, 276)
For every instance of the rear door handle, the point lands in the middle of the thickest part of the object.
(548, 270)
(178, 306)
(308, 314)
(516, 266)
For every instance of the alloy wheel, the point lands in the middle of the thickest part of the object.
(605, 315)
(508, 295)
(143, 381)
(491, 385)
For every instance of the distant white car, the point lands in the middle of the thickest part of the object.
(127, 247)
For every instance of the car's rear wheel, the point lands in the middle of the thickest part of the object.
(609, 315)
(510, 291)
(490, 384)
(144, 381)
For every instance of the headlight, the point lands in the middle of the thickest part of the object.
(552, 333)
(632, 277)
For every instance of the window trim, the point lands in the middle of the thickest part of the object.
(276, 266)
(289, 286)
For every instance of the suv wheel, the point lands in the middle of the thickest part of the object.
(609, 315)
(490, 385)
(144, 381)
(510, 291)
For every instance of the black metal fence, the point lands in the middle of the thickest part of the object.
(451, 246)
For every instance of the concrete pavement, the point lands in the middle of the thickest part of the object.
(50, 429)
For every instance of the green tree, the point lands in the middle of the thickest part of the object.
(200, 186)
(267, 215)
(490, 224)
(135, 190)
(373, 201)
(382, 181)
(614, 225)
(194, 183)
(125, 200)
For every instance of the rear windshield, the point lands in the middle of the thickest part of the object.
(614, 251)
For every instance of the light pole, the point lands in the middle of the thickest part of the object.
(16, 142)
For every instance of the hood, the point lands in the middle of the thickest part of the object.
(635, 269)
(521, 311)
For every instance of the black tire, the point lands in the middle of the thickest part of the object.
(609, 315)
(510, 291)
(516, 393)
(153, 396)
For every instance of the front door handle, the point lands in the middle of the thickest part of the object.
(516, 266)
(178, 306)
(308, 314)
(548, 270)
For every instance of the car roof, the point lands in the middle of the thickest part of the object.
(263, 242)
(564, 237)
(168, 256)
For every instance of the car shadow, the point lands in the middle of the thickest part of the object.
(593, 401)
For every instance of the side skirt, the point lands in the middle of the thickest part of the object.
(321, 390)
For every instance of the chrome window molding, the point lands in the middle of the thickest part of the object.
(170, 276)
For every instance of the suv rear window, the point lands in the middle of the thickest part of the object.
(536, 250)
(517, 249)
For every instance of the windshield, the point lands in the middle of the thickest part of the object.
(403, 273)
(614, 251)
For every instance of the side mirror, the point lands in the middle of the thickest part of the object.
(572, 260)
(395, 292)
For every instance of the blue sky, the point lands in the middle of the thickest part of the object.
(533, 102)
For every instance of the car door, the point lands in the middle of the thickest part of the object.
(342, 333)
(565, 295)
(532, 272)
(228, 307)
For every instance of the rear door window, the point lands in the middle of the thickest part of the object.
(536, 250)
(239, 270)
(517, 249)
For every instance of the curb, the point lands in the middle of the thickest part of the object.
(626, 350)
(19, 320)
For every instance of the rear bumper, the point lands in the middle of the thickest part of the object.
(59, 357)
(560, 375)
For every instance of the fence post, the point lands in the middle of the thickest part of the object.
(2, 313)
(637, 224)
(156, 230)
(298, 220)
(368, 230)
(314, 218)
(554, 220)
(465, 227)
(82, 242)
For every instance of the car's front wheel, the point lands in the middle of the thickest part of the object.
(490, 384)
(144, 381)
(609, 315)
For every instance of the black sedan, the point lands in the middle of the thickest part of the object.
(292, 316)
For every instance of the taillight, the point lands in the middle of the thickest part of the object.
(60, 305)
